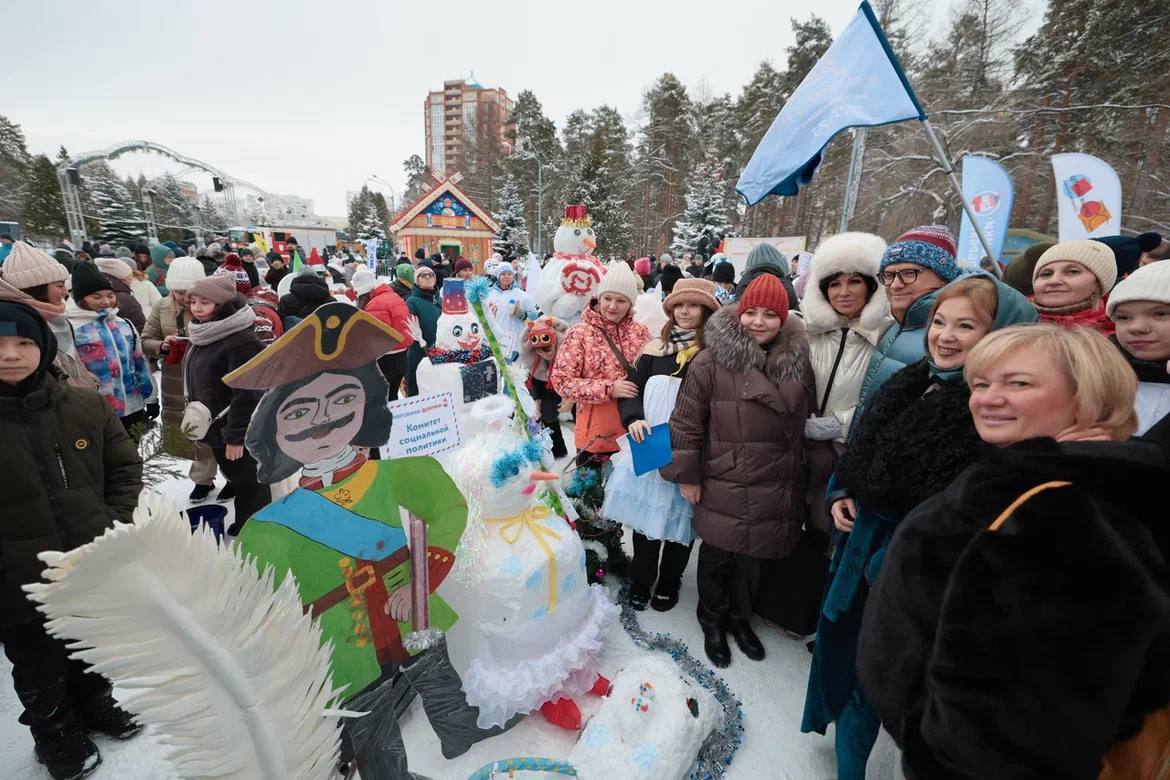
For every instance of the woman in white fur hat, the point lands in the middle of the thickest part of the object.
(845, 313)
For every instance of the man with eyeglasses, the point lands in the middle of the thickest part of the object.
(920, 262)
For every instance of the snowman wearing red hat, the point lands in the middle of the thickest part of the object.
(573, 274)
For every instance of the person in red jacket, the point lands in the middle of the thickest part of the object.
(379, 300)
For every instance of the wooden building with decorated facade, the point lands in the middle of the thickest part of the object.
(447, 221)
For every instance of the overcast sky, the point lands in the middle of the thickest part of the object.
(310, 97)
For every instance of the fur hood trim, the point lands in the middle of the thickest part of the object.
(857, 253)
(732, 348)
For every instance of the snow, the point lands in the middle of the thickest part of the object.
(771, 691)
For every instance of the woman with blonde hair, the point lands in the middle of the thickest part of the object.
(912, 439)
(1021, 622)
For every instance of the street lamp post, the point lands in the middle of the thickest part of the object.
(393, 197)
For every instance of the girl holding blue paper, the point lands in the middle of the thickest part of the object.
(652, 507)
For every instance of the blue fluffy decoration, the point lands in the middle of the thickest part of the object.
(508, 465)
(584, 480)
(478, 288)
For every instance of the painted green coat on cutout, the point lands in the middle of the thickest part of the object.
(418, 484)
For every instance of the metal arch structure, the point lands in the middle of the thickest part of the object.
(72, 197)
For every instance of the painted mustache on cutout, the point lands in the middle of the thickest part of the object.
(322, 430)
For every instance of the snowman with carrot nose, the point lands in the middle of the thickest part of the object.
(540, 623)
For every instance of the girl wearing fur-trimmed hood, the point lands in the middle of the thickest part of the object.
(737, 436)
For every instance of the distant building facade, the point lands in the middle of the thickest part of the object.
(461, 117)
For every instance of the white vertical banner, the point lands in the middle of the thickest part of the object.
(372, 253)
(1088, 196)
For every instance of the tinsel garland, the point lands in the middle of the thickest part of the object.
(720, 748)
(477, 291)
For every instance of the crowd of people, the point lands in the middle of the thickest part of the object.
(965, 466)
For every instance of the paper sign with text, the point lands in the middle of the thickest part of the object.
(426, 425)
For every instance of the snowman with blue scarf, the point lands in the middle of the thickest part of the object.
(461, 362)
(541, 625)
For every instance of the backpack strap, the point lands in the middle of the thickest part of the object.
(1023, 499)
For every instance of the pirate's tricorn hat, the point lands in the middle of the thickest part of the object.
(337, 336)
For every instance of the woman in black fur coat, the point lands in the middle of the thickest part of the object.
(1020, 627)
(913, 439)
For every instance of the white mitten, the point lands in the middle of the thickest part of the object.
(823, 428)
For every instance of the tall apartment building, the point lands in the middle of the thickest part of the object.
(456, 119)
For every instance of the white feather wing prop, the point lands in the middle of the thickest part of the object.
(229, 671)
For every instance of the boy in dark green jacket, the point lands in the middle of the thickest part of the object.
(70, 472)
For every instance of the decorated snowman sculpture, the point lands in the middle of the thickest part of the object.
(573, 274)
(461, 362)
(541, 624)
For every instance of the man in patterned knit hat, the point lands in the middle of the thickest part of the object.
(915, 266)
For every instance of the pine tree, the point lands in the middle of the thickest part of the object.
(119, 217)
(512, 239)
(536, 164)
(666, 150)
(813, 39)
(598, 171)
(382, 215)
(704, 222)
(174, 214)
(43, 213)
(210, 217)
(363, 221)
(15, 163)
(418, 177)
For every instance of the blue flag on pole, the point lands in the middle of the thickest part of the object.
(857, 83)
(988, 188)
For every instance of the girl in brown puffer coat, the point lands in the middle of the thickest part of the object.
(737, 435)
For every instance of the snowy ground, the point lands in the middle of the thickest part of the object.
(772, 693)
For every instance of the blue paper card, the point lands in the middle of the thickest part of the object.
(654, 452)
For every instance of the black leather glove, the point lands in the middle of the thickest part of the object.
(152, 410)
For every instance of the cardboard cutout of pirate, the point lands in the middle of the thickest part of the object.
(366, 571)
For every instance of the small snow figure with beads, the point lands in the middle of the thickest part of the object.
(542, 624)
(461, 361)
(571, 277)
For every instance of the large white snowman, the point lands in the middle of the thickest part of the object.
(461, 362)
(540, 624)
(573, 274)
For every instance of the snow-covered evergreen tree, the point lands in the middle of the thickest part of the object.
(174, 214)
(210, 217)
(119, 217)
(15, 162)
(705, 220)
(43, 213)
(512, 239)
(363, 221)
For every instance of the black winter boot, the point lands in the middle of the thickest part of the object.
(746, 639)
(65, 750)
(714, 638)
(102, 715)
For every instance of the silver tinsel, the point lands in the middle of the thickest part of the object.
(720, 748)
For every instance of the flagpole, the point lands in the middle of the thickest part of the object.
(852, 183)
(949, 170)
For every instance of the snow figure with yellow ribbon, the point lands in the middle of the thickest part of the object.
(541, 624)
(571, 278)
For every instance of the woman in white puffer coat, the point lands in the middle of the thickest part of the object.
(845, 313)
